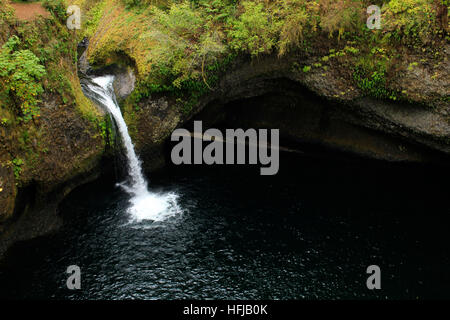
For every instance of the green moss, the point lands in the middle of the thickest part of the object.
(373, 83)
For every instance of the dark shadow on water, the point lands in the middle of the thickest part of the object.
(309, 232)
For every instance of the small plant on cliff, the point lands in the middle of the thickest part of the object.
(17, 167)
(5, 122)
(373, 82)
(20, 75)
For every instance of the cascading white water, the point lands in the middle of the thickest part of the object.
(144, 204)
(138, 183)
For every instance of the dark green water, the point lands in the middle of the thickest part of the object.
(309, 232)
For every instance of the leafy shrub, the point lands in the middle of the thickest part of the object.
(217, 11)
(178, 32)
(182, 20)
(296, 18)
(20, 74)
(254, 31)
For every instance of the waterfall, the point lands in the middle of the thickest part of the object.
(145, 205)
(106, 92)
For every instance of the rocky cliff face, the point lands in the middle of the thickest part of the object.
(73, 150)
(377, 94)
(43, 159)
(313, 108)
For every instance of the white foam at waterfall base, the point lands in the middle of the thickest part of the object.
(152, 206)
(144, 205)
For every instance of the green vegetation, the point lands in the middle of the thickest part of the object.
(173, 43)
(38, 73)
(17, 167)
(253, 31)
(20, 75)
(176, 44)
(411, 21)
(93, 18)
(6, 19)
